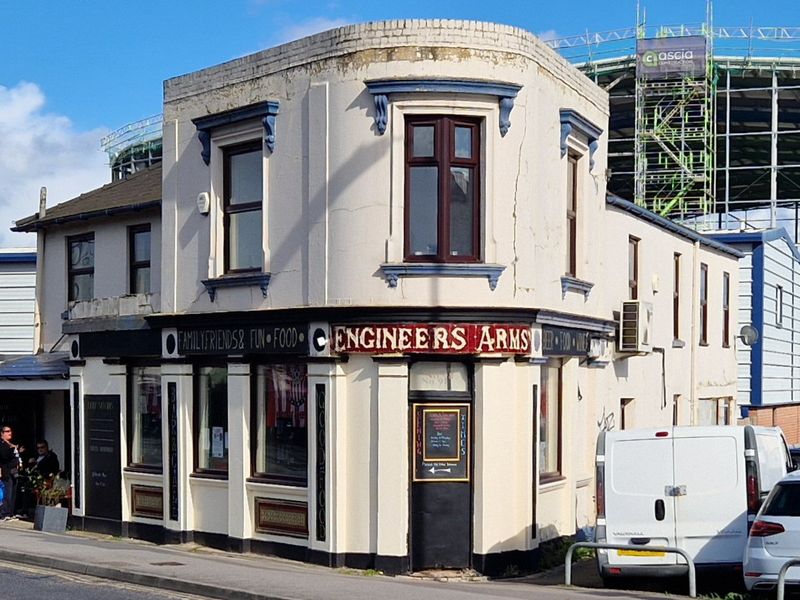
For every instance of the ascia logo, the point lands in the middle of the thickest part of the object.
(651, 58)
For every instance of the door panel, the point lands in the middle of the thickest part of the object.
(710, 517)
(638, 509)
(441, 489)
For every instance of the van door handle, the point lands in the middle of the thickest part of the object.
(659, 510)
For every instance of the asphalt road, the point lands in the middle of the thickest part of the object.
(18, 582)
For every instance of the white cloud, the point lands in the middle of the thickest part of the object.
(295, 31)
(41, 149)
(549, 35)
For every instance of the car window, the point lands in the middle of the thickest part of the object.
(784, 501)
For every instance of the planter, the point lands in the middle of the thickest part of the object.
(52, 519)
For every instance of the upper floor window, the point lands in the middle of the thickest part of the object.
(144, 413)
(726, 309)
(80, 274)
(676, 296)
(442, 183)
(572, 214)
(633, 267)
(139, 254)
(703, 303)
(242, 202)
(281, 418)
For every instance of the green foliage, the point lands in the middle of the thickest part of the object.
(48, 491)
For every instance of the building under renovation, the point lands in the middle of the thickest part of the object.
(704, 129)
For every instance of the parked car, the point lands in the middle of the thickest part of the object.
(774, 537)
(694, 488)
(794, 452)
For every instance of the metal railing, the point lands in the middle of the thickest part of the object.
(683, 553)
(782, 575)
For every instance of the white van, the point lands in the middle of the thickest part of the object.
(694, 488)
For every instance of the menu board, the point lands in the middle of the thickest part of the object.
(441, 442)
(103, 477)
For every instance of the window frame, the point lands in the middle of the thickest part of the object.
(633, 267)
(132, 397)
(72, 272)
(676, 296)
(779, 306)
(228, 151)
(135, 266)
(197, 470)
(255, 421)
(558, 367)
(726, 309)
(703, 291)
(572, 214)
(443, 159)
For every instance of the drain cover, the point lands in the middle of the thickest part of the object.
(167, 564)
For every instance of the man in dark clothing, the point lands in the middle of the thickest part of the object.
(46, 461)
(9, 470)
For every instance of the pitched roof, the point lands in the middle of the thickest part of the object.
(140, 191)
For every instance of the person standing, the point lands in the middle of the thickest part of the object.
(9, 471)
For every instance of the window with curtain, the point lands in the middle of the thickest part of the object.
(211, 420)
(550, 422)
(281, 418)
(145, 417)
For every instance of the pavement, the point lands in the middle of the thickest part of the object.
(194, 569)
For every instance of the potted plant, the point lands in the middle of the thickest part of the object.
(50, 516)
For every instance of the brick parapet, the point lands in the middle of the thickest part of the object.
(394, 33)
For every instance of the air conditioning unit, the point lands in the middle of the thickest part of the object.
(636, 327)
(319, 339)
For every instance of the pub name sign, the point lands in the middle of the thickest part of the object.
(449, 338)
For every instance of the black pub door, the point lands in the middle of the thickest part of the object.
(441, 487)
(103, 476)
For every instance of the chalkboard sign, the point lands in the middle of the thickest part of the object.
(103, 473)
(441, 442)
(172, 433)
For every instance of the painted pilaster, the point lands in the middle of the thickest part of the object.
(392, 463)
(240, 520)
(182, 462)
(318, 178)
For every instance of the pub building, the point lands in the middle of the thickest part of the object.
(382, 324)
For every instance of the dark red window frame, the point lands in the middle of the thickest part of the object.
(444, 157)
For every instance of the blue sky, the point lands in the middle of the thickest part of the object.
(71, 71)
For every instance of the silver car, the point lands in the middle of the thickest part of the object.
(774, 537)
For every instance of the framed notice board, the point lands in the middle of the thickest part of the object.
(441, 442)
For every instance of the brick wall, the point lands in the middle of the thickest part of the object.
(785, 417)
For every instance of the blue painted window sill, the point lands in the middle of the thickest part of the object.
(571, 284)
(393, 271)
(243, 280)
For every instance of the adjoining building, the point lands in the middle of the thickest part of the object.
(704, 128)
(389, 295)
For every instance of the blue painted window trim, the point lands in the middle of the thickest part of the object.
(228, 281)
(266, 111)
(392, 272)
(572, 284)
(380, 90)
(757, 318)
(573, 122)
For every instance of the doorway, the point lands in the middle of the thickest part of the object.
(441, 465)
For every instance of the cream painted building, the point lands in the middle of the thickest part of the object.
(390, 286)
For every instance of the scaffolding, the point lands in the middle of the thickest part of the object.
(133, 147)
(674, 141)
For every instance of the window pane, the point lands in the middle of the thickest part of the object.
(81, 254)
(423, 140)
(212, 419)
(146, 446)
(463, 142)
(707, 411)
(82, 287)
(424, 210)
(141, 280)
(549, 421)
(245, 178)
(439, 376)
(141, 246)
(461, 223)
(282, 437)
(245, 243)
